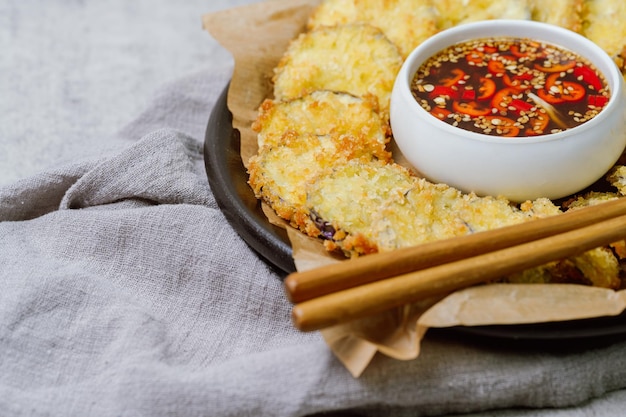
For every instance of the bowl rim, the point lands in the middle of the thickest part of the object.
(449, 37)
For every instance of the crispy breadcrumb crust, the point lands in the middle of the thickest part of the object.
(279, 173)
(303, 136)
(603, 23)
(454, 12)
(617, 177)
(322, 113)
(356, 58)
(564, 13)
(388, 207)
(379, 207)
(598, 267)
(406, 23)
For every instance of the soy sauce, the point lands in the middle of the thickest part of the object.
(510, 87)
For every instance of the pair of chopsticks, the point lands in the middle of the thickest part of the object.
(371, 284)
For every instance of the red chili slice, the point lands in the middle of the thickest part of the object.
(560, 67)
(496, 67)
(538, 125)
(573, 91)
(505, 126)
(515, 50)
(520, 106)
(471, 108)
(487, 88)
(444, 91)
(455, 76)
(552, 80)
(527, 76)
(440, 113)
(549, 97)
(519, 81)
(468, 95)
(589, 76)
(475, 57)
(503, 98)
(559, 91)
(597, 100)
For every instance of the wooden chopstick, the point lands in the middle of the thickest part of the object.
(542, 241)
(302, 286)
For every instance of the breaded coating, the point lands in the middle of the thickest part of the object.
(617, 178)
(348, 198)
(382, 207)
(592, 198)
(320, 113)
(564, 13)
(356, 59)
(454, 12)
(597, 267)
(407, 23)
(603, 23)
(370, 206)
(279, 172)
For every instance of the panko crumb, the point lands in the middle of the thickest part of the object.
(321, 113)
(603, 23)
(356, 58)
(303, 136)
(406, 23)
(564, 13)
(454, 12)
(617, 178)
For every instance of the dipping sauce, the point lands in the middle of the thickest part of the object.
(510, 87)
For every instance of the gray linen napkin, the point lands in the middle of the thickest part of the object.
(124, 291)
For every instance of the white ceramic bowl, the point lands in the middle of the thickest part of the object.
(552, 165)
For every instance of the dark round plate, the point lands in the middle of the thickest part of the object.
(228, 180)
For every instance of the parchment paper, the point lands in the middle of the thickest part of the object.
(257, 35)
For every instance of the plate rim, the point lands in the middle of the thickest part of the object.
(221, 159)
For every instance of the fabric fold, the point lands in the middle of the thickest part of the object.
(159, 169)
(41, 194)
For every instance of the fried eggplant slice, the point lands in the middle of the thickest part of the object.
(348, 197)
(320, 113)
(381, 207)
(603, 23)
(564, 13)
(357, 59)
(280, 171)
(617, 178)
(454, 12)
(407, 23)
(598, 267)
(370, 206)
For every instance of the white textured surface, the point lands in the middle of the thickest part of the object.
(72, 73)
